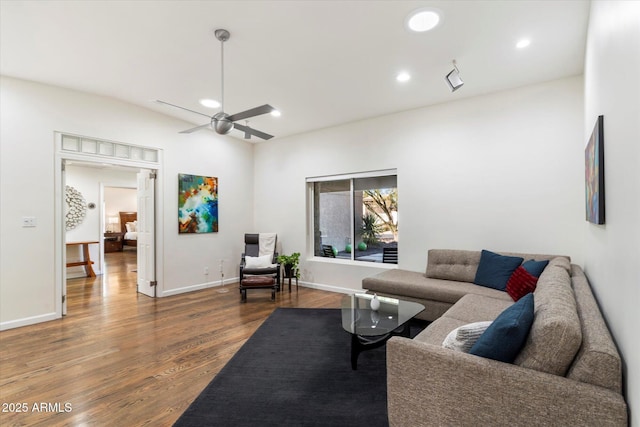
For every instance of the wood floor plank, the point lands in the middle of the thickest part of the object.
(121, 358)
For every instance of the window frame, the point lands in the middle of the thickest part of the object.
(310, 181)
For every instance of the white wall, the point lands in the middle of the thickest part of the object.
(503, 171)
(31, 113)
(612, 89)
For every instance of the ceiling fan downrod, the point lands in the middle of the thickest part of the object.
(220, 121)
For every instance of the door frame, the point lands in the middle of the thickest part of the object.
(60, 250)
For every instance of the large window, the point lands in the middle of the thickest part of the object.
(355, 216)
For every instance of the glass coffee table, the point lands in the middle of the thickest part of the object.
(372, 328)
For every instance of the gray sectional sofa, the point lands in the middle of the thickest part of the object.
(567, 373)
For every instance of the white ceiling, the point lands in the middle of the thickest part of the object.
(321, 63)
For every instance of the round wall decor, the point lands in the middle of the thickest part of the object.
(76, 207)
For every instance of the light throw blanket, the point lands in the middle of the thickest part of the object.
(267, 243)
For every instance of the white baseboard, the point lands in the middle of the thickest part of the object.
(28, 321)
(200, 286)
(197, 287)
(329, 288)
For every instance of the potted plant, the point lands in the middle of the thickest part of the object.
(290, 263)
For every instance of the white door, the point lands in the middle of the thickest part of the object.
(63, 250)
(146, 233)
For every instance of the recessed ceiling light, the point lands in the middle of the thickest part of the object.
(276, 113)
(403, 77)
(422, 20)
(209, 103)
(523, 43)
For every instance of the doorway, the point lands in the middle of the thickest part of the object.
(89, 177)
(109, 226)
(120, 208)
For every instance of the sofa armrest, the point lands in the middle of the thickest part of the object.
(431, 385)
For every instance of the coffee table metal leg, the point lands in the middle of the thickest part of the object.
(360, 344)
(355, 351)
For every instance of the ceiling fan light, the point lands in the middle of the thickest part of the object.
(221, 124)
(209, 103)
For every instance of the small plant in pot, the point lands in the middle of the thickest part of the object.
(290, 263)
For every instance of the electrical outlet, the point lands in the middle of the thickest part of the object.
(29, 221)
(206, 271)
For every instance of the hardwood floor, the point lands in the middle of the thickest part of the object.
(120, 358)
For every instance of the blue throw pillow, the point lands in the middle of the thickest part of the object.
(495, 270)
(506, 336)
(535, 268)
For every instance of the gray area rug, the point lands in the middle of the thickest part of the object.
(295, 370)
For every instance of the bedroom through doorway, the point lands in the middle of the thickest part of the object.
(108, 224)
(120, 232)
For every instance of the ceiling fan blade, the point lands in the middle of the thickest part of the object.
(251, 131)
(257, 111)
(182, 108)
(208, 125)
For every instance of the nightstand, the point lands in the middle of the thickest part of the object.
(113, 242)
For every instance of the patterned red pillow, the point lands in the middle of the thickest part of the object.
(521, 283)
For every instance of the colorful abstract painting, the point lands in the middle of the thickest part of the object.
(197, 204)
(594, 174)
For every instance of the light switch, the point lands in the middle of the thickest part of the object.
(29, 221)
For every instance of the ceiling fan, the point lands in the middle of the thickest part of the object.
(222, 122)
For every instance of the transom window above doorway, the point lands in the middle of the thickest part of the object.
(114, 150)
(355, 216)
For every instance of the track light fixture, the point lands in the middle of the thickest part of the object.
(453, 78)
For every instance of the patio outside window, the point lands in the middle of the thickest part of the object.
(355, 216)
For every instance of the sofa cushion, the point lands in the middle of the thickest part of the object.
(476, 308)
(494, 270)
(535, 268)
(506, 335)
(450, 264)
(556, 334)
(562, 262)
(410, 283)
(464, 337)
(521, 283)
(597, 362)
(438, 330)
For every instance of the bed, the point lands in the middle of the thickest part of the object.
(128, 225)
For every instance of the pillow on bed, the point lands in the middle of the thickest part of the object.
(131, 226)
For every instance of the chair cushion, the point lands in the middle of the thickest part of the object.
(258, 261)
(495, 270)
(256, 281)
(504, 338)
